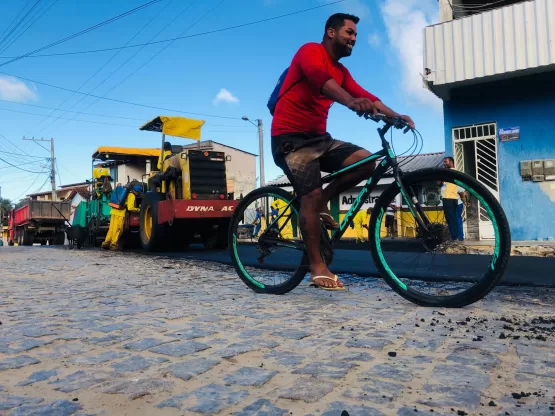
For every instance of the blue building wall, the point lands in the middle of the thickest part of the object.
(528, 102)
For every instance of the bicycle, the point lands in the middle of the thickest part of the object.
(431, 236)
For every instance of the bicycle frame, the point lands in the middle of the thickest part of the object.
(389, 160)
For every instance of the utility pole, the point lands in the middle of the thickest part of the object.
(52, 163)
(260, 147)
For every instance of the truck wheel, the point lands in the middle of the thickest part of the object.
(28, 238)
(59, 239)
(154, 236)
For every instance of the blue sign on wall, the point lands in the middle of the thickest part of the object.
(508, 135)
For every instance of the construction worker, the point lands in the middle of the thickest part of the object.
(117, 218)
(360, 224)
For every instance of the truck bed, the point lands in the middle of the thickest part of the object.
(42, 211)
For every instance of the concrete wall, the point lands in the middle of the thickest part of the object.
(241, 169)
(133, 171)
(528, 102)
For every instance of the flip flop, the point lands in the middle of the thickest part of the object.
(333, 279)
(328, 221)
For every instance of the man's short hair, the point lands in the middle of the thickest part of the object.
(450, 159)
(337, 21)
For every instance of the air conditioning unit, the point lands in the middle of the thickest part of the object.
(526, 168)
(549, 167)
(537, 167)
(538, 178)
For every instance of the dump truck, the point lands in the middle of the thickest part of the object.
(39, 222)
(187, 199)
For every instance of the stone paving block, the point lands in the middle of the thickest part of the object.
(8, 401)
(450, 396)
(112, 327)
(261, 407)
(210, 399)
(309, 390)
(108, 339)
(353, 356)
(390, 371)
(135, 388)
(70, 336)
(180, 349)
(98, 359)
(428, 345)
(63, 351)
(57, 408)
(137, 363)
(79, 380)
(188, 369)
(146, 343)
(243, 347)
(191, 333)
(376, 391)
(336, 408)
(285, 358)
(460, 375)
(37, 332)
(22, 345)
(409, 411)
(38, 376)
(370, 343)
(327, 369)
(475, 357)
(292, 334)
(250, 376)
(250, 333)
(17, 362)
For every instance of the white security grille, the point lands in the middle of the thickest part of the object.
(485, 170)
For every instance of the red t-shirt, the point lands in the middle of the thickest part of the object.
(303, 108)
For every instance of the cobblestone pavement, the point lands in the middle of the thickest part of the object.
(100, 333)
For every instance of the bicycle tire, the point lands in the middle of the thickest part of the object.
(493, 274)
(300, 272)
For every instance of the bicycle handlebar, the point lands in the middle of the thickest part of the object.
(396, 122)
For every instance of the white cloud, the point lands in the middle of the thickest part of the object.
(404, 21)
(226, 97)
(12, 89)
(374, 40)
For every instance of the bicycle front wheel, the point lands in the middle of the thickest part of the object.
(448, 249)
(265, 242)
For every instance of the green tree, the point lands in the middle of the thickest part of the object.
(5, 206)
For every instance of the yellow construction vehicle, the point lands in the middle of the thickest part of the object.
(187, 198)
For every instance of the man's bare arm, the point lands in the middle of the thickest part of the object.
(333, 90)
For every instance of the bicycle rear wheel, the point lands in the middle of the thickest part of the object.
(265, 242)
(431, 267)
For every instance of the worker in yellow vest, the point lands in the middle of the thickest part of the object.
(117, 219)
(360, 224)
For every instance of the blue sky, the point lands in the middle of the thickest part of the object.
(240, 67)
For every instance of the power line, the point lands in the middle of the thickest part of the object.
(128, 59)
(153, 56)
(17, 167)
(72, 111)
(20, 21)
(21, 164)
(119, 101)
(15, 18)
(113, 19)
(103, 66)
(184, 37)
(23, 30)
(65, 118)
(32, 183)
(19, 154)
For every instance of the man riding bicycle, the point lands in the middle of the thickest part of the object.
(302, 147)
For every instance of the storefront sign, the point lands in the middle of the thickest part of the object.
(346, 199)
(509, 135)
